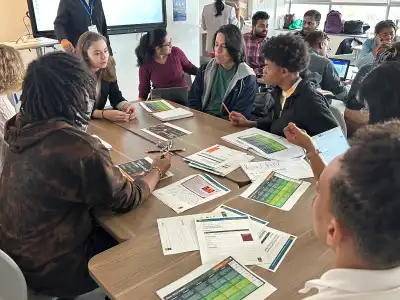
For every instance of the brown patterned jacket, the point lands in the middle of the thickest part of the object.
(53, 176)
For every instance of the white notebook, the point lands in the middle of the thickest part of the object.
(173, 114)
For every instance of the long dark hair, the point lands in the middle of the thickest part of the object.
(234, 42)
(148, 44)
(57, 85)
(219, 7)
(81, 51)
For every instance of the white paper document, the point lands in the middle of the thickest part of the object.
(224, 279)
(235, 236)
(190, 192)
(218, 159)
(276, 190)
(265, 144)
(178, 234)
(295, 168)
(257, 223)
(276, 245)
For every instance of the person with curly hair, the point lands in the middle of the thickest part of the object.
(295, 98)
(11, 75)
(356, 213)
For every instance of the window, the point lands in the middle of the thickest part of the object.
(300, 9)
(368, 14)
(394, 14)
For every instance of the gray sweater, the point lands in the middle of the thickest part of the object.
(330, 77)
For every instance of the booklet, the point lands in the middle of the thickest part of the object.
(224, 279)
(219, 237)
(265, 144)
(156, 106)
(276, 190)
(190, 192)
(217, 159)
(173, 114)
(139, 168)
(166, 131)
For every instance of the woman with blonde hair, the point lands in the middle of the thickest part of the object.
(11, 76)
(93, 50)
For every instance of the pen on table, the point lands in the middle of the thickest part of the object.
(172, 150)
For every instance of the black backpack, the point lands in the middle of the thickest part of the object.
(355, 27)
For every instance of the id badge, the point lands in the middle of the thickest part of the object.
(93, 28)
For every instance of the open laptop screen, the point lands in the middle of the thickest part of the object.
(341, 66)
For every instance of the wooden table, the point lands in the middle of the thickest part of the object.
(206, 131)
(143, 220)
(137, 268)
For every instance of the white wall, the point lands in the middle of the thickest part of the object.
(185, 35)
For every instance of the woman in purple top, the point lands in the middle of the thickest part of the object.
(160, 64)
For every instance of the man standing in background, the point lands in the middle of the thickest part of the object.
(255, 40)
(74, 17)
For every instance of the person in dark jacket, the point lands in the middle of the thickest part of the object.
(311, 21)
(93, 50)
(226, 79)
(318, 42)
(296, 98)
(54, 175)
(74, 17)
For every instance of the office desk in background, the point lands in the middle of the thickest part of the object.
(37, 44)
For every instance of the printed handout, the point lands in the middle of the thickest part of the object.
(224, 279)
(190, 192)
(219, 237)
(276, 190)
(156, 106)
(295, 168)
(139, 168)
(166, 131)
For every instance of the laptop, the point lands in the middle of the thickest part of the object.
(331, 143)
(176, 94)
(341, 66)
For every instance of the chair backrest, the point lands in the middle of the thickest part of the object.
(12, 282)
(188, 80)
(339, 118)
(176, 94)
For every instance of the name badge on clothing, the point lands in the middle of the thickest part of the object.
(93, 28)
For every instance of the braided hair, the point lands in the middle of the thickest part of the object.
(57, 85)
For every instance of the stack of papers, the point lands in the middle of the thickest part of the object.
(164, 111)
(276, 190)
(224, 279)
(265, 144)
(296, 168)
(190, 192)
(219, 160)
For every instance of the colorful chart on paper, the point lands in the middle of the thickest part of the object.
(275, 190)
(157, 106)
(226, 281)
(265, 144)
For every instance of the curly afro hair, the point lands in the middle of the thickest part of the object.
(287, 51)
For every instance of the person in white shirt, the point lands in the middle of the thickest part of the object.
(213, 17)
(356, 213)
(11, 76)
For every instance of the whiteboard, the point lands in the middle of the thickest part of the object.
(117, 12)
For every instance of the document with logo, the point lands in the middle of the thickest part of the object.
(221, 237)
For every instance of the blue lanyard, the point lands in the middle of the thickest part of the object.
(90, 13)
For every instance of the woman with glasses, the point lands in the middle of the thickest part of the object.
(160, 64)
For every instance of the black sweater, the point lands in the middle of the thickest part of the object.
(306, 107)
(73, 20)
(111, 91)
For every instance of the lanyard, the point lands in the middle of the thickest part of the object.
(90, 13)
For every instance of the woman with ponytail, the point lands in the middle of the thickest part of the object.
(160, 64)
(214, 16)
